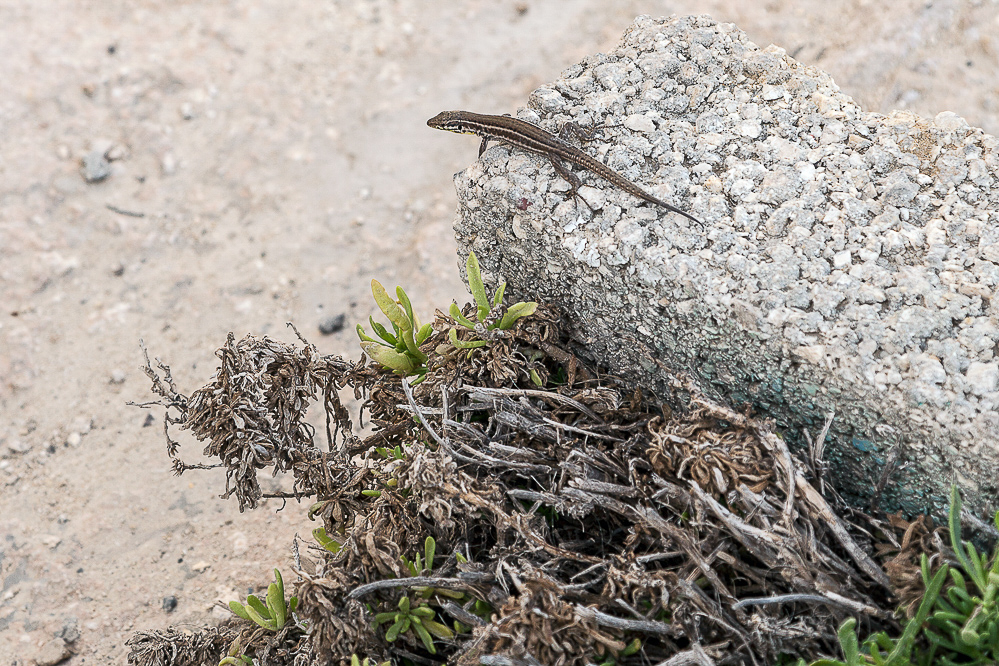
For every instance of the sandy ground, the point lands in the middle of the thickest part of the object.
(278, 154)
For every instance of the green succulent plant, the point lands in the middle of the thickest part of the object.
(966, 619)
(273, 612)
(484, 308)
(417, 618)
(959, 621)
(235, 656)
(398, 350)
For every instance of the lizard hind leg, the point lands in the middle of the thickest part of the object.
(574, 182)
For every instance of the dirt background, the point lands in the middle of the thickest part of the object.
(278, 153)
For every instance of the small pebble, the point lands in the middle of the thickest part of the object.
(53, 652)
(95, 167)
(170, 604)
(115, 153)
(19, 446)
(70, 631)
(50, 540)
(117, 376)
(168, 164)
(332, 324)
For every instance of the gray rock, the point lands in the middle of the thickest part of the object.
(53, 652)
(332, 324)
(95, 166)
(847, 262)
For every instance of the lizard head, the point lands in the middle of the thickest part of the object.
(451, 121)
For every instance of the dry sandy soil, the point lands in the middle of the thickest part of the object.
(278, 154)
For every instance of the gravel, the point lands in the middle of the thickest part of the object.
(848, 261)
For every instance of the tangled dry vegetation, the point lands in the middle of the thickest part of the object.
(585, 522)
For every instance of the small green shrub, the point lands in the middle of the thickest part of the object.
(954, 625)
(273, 612)
(399, 350)
(484, 311)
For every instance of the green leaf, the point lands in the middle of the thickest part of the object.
(423, 612)
(483, 609)
(954, 526)
(388, 306)
(460, 344)
(293, 604)
(371, 493)
(364, 336)
(632, 647)
(424, 333)
(421, 631)
(437, 629)
(324, 540)
(407, 306)
(316, 508)
(253, 603)
(396, 629)
(389, 358)
(515, 312)
(429, 550)
(455, 313)
(536, 378)
(354, 661)
(382, 618)
(382, 332)
(239, 610)
(404, 604)
(450, 594)
(275, 600)
(848, 641)
(903, 648)
(259, 618)
(475, 285)
(498, 297)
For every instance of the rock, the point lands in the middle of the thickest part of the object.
(983, 378)
(18, 446)
(50, 540)
(53, 652)
(117, 376)
(170, 604)
(168, 164)
(70, 631)
(847, 262)
(333, 324)
(95, 166)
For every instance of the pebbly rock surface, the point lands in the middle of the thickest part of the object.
(848, 262)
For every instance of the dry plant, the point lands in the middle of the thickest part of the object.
(581, 522)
